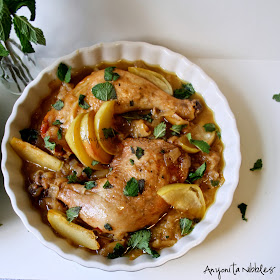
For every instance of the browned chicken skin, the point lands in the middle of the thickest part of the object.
(161, 164)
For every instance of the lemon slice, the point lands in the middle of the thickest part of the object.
(186, 198)
(154, 77)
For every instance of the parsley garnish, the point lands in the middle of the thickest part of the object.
(131, 161)
(109, 75)
(109, 132)
(185, 92)
(107, 185)
(90, 185)
(82, 103)
(136, 116)
(64, 73)
(257, 165)
(94, 162)
(58, 105)
(59, 133)
(160, 130)
(139, 152)
(88, 171)
(215, 183)
(200, 144)
(140, 239)
(243, 207)
(73, 213)
(134, 187)
(276, 97)
(57, 122)
(104, 91)
(48, 144)
(176, 129)
(186, 226)
(199, 172)
(72, 178)
(29, 135)
(108, 227)
(117, 252)
(209, 127)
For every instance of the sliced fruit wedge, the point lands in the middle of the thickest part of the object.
(75, 143)
(104, 121)
(90, 141)
(75, 233)
(154, 77)
(186, 198)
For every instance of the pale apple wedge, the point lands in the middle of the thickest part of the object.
(75, 233)
(103, 121)
(75, 143)
(33, 154)
(90, 141)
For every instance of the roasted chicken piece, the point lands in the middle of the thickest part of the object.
(157, 164)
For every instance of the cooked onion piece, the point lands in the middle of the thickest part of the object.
(139, 129)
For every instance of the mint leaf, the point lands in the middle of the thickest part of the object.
(5, 21)
(209, 127)
(131, 188)
(140, 239)
(29, 135)
(109, 132)
(109, 75)
(15, 5)
(139, 152)
(185, 92)
(104, 91)
(276, 97)
(3, 51)
(88, 171)
(72, 178)
(72, 213)
(48, 144)
(176, 129)
(160, 130)
(108, 227)
(82, 103)
(257, 165)
(32, 34)
(131, 161)
(57, 122)
(186, 226)
(64, 72)
(118, 251)
(243, 207)
(90, 185)
(26, 46)
(215, 183)
(94, 162)
(107, 185)
(59, 134)
(199, 172)
(200, 144)
(136, 116)
(58, 105)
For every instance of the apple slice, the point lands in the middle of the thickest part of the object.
(104, 121)
(90, 141)
(75, 143)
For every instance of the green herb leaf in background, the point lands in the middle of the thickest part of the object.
(276, 97)
(15, 5)
(5, 21)
(257, 165)
(243, 207)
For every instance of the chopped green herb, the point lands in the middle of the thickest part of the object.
(200, 144)
(110, 169)
(107, 185)
(140, 240)
(136, 116)
(108, 227)
(215, 183)
(64, 73)
(186, 226)
(29, 135)
(162, 151)
(109, 75)
(257, 165)
(109, 132)
(276, 97)
(209, 127)
(58, 105)
(132, 150)
(139, 152)
(199, 172)
(131, 161)
(59, 134)
(176, 129)
(167, 236)
(72, 213)
(185, 92)
(72, 178)
(48, 144)
(243, 207)
(218, 134)
(160, 130)
(131, 188)
(88, 171)
(82, 103)
(94, 162)
(90, 185)
(118, 251)
(57, 122)
(104, 91)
